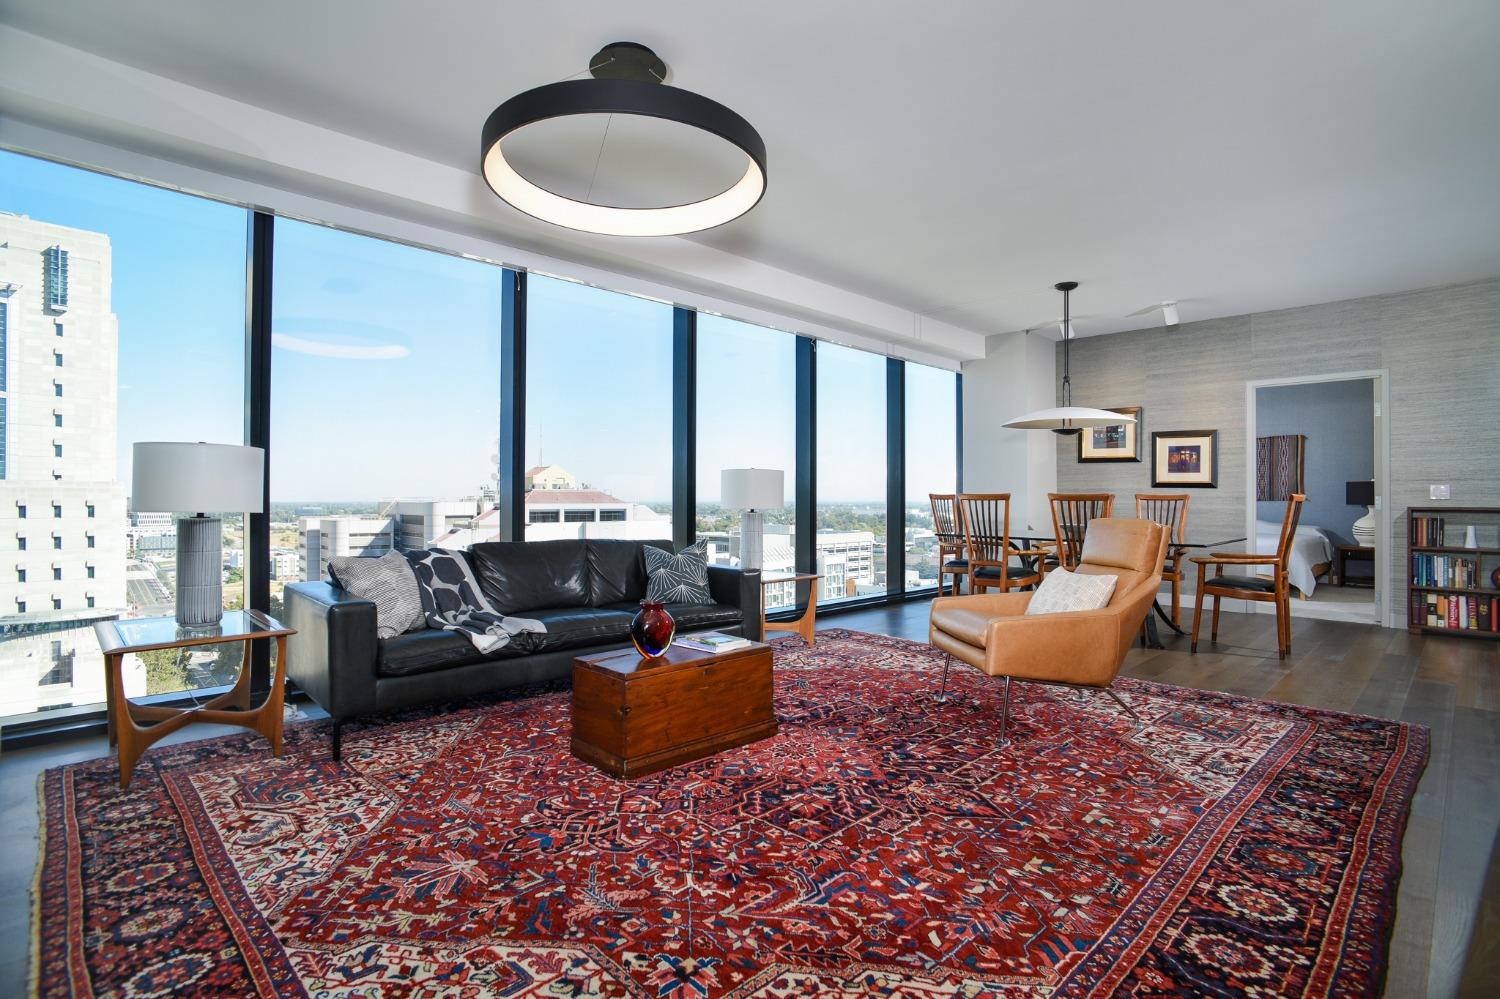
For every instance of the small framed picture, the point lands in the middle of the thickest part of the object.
(1187, 458)
(1117, 442)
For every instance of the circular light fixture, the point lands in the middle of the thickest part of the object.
(627, 81)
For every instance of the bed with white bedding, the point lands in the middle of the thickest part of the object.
(1312, 553)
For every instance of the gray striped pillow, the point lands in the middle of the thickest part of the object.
(389, 583)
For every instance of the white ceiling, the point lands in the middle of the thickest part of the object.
(955, 159)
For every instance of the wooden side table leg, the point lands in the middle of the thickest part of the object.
(275, 700)
(809, 620)
(126, 735)
(111, 670)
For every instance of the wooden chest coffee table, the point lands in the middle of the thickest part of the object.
(634, 716)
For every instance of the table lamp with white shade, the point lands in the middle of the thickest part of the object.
(208, 479)
(753, 490)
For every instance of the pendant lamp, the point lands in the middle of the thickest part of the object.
(1067, 419)
(627, 80)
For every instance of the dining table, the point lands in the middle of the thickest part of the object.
(1153, 637)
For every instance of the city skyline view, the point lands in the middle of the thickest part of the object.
(395, 319)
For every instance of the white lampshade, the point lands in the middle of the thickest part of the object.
(197, 478)
(752, 489)
(1067, 417)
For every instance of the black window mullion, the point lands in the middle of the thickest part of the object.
(512, 483)
(895, 476)
(807, 459)
(259, 260)
(684, 426)
(958, 432)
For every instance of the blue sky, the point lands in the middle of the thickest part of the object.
(386, 366)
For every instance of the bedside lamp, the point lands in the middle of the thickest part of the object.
(752, 490)
(211, 478)
(1362, 494)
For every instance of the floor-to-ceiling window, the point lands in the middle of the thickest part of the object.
(385, 405)
(747, 418)
(122, 319)
(931, 427)
(598, 414)
(850, 543)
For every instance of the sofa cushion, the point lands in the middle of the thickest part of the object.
(431, 649)
(389, 584)
(680, 578)
(693, 617)
(617, 570)
(579, 627)
(521, 576)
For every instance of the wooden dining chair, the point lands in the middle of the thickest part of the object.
(1170, 510)
(1071, 513)
(947, 524)
(986, 523)
(1277, 588)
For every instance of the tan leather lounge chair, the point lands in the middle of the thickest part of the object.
(1075, 648)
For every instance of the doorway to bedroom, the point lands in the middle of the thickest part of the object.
(1324, 437)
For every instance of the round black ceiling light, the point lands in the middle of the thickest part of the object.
(627, 80)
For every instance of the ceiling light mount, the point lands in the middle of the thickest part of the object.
(627, 80)
(628, 61)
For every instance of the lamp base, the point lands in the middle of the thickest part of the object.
(200, 577)
(1364, 528)
(752, 539)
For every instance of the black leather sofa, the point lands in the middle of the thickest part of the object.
(584, 591)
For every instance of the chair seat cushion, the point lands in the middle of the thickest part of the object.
(690, 617)
(577, 627)
(431, 649)
(1253, 583)
(1017, 571)
(1065, 591)
(956, 563)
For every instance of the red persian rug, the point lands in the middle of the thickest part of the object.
(881, 845)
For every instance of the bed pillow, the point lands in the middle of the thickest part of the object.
(389, 583)
(1065, 591)
(680, 578)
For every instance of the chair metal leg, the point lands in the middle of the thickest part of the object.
(1122, 703)
(942, 697)
(1005, 715)
(338, 739)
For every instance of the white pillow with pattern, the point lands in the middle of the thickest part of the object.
(1070, 591)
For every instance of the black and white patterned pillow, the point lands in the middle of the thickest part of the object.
(389, 583)
(680, 578)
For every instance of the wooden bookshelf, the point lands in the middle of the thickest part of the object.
(1447, 581)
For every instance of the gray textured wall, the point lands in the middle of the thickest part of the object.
(1441, 346)
(1338, 420)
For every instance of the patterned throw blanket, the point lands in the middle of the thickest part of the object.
(452, 600)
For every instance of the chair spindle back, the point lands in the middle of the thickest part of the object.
(1071, 513)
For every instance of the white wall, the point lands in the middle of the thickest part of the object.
(1017, 374)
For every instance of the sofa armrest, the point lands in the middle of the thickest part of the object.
(738, 588)
(332, 655)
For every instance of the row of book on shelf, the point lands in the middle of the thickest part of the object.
(1427, 532)
(1445, 570)
(1449, 610)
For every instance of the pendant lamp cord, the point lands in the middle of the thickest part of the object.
(1067, 381)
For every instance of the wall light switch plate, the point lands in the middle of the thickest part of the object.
(1439, 492)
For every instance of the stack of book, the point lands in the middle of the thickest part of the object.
(1453, 571)
(1447, 610)
(712, 641)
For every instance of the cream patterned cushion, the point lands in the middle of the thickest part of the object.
(1068, 591)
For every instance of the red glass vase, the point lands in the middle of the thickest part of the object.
(652, 629)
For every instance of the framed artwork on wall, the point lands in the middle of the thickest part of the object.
(1185, 458)
(1118, 442)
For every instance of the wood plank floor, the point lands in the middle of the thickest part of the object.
(1447, 935)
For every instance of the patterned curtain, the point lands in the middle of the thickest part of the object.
(1278, 466)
